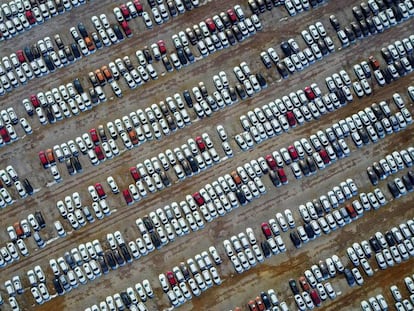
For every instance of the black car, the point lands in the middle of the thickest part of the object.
(69, 260)
(410, 175)
(371, 26)
(274, 177)
(104, 266)
(28, 186)
(40, 220)
(349, 277)
(76, 164)
(69, 166)
(304, 167)
(393, 189)
(309, 231)
(49, 64)
(148, 223)
(181, 56)
(386, 55)
(378, 170)
(261, 80)
(357, 13)
(335, 22)
(110, 259)
(118, 257)
(364, 135)
(286, 48)
(241, 91)
(187, 168)
(241, 197)
(28, 53)
(253, 6)
(237, 33)
(187, 98)
(364, 28)
(126, 299)
(167, 63)
(58, 287)
(294, 286)
(147, 55)
(389, 238)
(407, 183)
(75, 50)
(266, 249)
(233, 95)
(356, 29)
(118, 32)
(282, 70)
(373, 177)
(155, 240)
(295, 239)
(230, 36)
(318, 207)
(266, 300)
(165, 179)
(311, 164)
(82, 30)
(125, 253)
(374, 244)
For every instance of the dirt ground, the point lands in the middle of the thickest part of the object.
(274, 272)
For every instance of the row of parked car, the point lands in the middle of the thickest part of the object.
(390, 164)
(9, 178)
(401, 303)
(77, 214)
(398, 67)
(191, 279)
(127, 299)
(8, 133)
(20, 15)
(314, 292)
(293, 7)
(267, 300)
(186, 160)
(371, 19)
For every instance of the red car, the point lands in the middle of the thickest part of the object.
(171, 278)
(162, 47)
(100, 190)
(94, 136)
(291, 118)
(198, 198)
(35, 101)
(134, 173)
(351, 211)
(259, 304)
(30, 17)
(99, 154)
(125, 27)
(374, 63)
(210, 24)
(232, 16)
(50, 156)
(20, 56)
(200, 143)
(266, 230)
(252, 305)
(271, 162)
(43, 159)
(282, 175)
(125, 12)
(304, 284)
(5, 134)
(324, 156)
(315, 297)
(309, 93)
(138, 7)
(293, 153)
(127, 196)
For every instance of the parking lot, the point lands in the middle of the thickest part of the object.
(219, 224)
